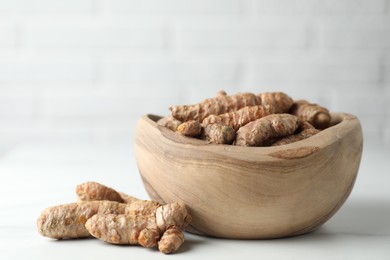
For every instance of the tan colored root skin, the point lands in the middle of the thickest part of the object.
(259, 132)
(127, 198)
(305, 125)
(124, 229)
(169, 122)
(89, 191)
(190, 128)
(142, 207)
(316, 115)
(213, 106)
(173, 214)
(241, 117)
(136, 228)
(279, 100)
(224, 103)
(68, 220)
(306, 133)
(219, 134)
(133, 222)
(171, 240)
(221, 93)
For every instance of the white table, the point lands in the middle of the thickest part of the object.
(36, 176)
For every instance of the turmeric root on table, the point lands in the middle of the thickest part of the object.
(95, 191)
(171, 240)
(68, 220)
(172, 214)
(141, 222)
(258, 132)
(89, 191)
(127, 198)
(124, 229)
(240, 117)
(134, 228)
(142, 207)
(316, 115)
(224, 103)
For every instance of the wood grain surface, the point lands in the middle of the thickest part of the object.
(251, 192)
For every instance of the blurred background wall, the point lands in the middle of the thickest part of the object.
(86, 70)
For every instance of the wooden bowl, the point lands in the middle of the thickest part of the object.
(251, 192)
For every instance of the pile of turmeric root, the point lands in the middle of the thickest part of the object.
(116, 218)
(247, 119)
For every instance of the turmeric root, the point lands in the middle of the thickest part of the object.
(141, 222)
(219, 134)
(169, 122)
(190, 128)
(173, 214)
(142, 207)
(220, 104)
(95, 191)
(171, 240)
(240, 117)
(235, 111)
(305, 125)
(127, 198)
(124, 229)
(90, 191)
(279, 100)
(223, 103)
(135, 228)
(258, 132)
(68, 220)
(316, 115)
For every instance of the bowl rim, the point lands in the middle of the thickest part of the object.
(341, 125)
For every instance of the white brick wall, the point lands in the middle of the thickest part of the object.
(175, 6)
(341, 7)
(242, 35)
(32, 71)
(92, 35)
(86, 70)
(46, 6)
(7, 36)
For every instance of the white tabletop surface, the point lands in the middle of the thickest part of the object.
(36, 176)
